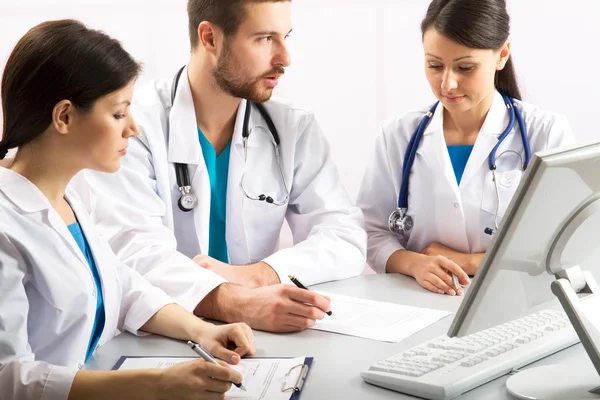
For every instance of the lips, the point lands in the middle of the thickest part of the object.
(275, 77)
(453, 99)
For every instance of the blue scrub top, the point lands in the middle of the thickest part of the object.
(218, 171)
(459, 155)
(99, 320)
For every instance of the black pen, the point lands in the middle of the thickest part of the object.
(297, 282)
(209, 358)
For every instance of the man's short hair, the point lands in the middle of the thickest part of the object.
(226, 14)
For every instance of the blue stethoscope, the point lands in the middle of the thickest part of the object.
(402, 223)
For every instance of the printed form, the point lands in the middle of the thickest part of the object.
(263, 378)
(376, 320)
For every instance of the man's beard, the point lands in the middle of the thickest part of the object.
(231, 79)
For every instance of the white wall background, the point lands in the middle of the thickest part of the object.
(356, 62)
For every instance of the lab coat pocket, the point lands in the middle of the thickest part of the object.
(263, 222)
(507, 184)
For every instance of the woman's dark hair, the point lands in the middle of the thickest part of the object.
(478, 24)
(54, 61)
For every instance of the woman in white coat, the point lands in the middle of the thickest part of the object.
(66, 92)
(451, 192)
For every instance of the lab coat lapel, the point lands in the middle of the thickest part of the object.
(59, 226)
(495, 123)
(184, 147)
(29, 199)
(237, 243)
(101, 258)
(434, 151)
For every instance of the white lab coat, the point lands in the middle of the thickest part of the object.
(137, 207)
(48, 293)
(443, 211)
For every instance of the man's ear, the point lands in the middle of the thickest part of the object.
(210, 37)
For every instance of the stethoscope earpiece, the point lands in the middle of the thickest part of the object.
(266, 198)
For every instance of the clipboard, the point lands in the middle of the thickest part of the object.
(293, 382)
(296, 377)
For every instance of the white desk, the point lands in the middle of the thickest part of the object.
(335, 373)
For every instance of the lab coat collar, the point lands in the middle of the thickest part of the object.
(184, 145)
(256, 121)
(27, 197)
(21, 192)
(494, 125)
(434, 149)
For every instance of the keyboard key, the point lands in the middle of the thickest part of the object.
(492, 353)
(467, 363)
(407, 372)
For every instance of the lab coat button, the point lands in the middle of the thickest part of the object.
(79, 366)
(455, 205)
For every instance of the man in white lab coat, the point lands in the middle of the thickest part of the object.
(221, 258)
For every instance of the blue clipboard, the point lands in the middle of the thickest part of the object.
(294, 385)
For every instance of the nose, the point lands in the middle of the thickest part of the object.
(449, 82)
(283, 57)
(131, 129)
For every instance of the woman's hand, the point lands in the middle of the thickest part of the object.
(196, 379)
(434, 273)
(227, 342)
(468, 262)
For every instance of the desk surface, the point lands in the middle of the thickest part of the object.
(339, 359)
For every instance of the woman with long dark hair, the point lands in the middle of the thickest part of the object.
(66, 91)
(441, 178)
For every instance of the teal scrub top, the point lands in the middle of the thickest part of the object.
(218, 171)
(100, 317)
(459, 155)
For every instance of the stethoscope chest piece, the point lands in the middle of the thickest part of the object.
(399, 222)
(187, 202)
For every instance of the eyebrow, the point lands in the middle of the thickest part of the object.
(269, 33)
(456, 59)
(123, 102)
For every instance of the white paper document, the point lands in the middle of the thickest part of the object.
(263, 378)
(376, 320)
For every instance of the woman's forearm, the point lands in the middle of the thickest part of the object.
(116, 385)
(175, 322)
(403, 262)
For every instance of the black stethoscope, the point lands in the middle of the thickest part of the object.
(188, 200)
(402, 223)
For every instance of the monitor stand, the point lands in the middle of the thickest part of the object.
(580, 298)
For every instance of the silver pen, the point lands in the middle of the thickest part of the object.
(209, 358)
(455, 281)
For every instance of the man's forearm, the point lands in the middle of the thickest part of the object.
(262, 274)
(222, 303)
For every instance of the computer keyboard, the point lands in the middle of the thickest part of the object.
(444, 367)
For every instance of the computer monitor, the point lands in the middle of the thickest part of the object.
(550, 232)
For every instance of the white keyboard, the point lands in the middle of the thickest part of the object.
(444, 367)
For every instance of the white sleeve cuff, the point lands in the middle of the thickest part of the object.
(58, 383)
(152, 300)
